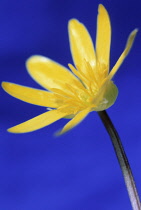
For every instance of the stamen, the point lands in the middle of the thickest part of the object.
(67, 107)
(89, 70)
(84, 89)
(78, 74)
(72, 68)
(59, 99)
(85, 79)
(80, 71)
(75, 103)
(102, 72)
(73, 90)
(60, 92)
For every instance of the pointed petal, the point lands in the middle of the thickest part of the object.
(48, 73)
(75, 121)
(81, 45)
(31, 95)
(38, 122)
(124, 54)
(103, 38)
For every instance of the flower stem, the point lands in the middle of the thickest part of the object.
(123, 161)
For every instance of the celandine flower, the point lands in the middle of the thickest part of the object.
(72, 94)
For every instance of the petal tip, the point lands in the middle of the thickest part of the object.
(73, 22)
(60, 133)
(10, 130)
(33, 59)
(57, 134)
(135, 31)
(131, 38)
(5, 85)
(15, 130)
(101, 8)
(28, 61)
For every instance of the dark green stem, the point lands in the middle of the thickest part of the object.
(123, 161)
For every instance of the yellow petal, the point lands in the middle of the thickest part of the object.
(31, 95)
(38, 122)
(75, 121)
(81, 45)
(124, 54)
(103, 38)
(48, 73)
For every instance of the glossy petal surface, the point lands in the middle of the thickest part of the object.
(48, 73)
(38, 122)
(81, 45)
(31, 95)
(103, 38)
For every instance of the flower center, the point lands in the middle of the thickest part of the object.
(92, 89)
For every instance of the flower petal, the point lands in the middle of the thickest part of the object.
(31, 95)
(81, 45)
(38, 122)
(103, 38)
(75, 121)
(124, 54)
(48, 73)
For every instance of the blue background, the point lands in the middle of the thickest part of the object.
(77, 171)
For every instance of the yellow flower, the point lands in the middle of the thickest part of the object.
(72, 94)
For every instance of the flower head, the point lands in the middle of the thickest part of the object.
(72, 94)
